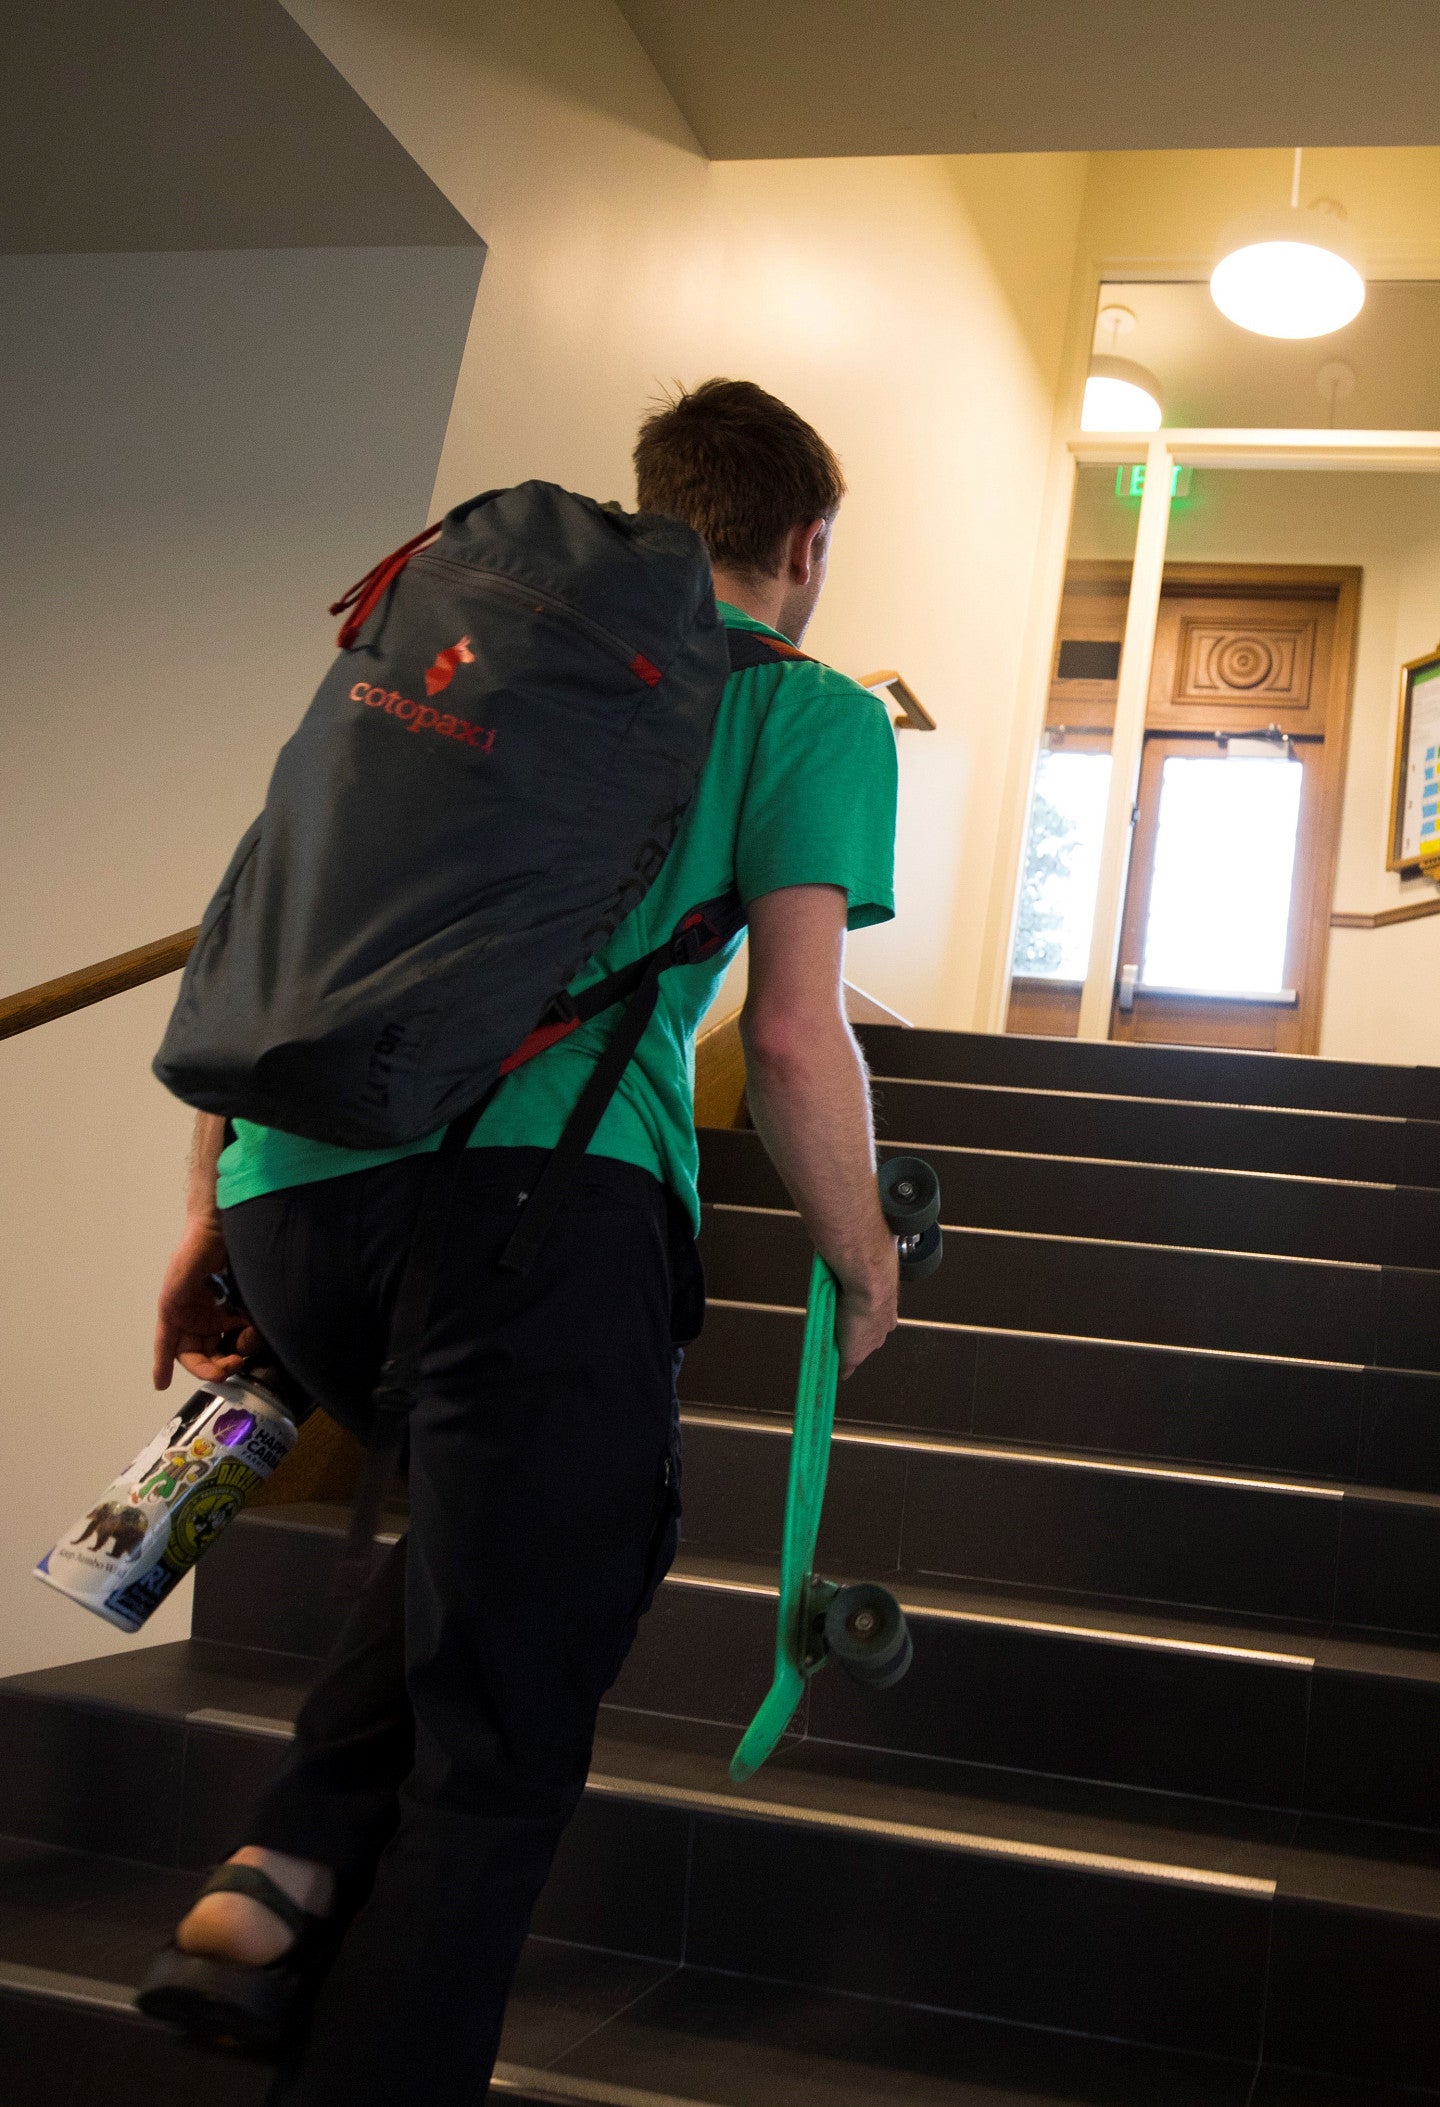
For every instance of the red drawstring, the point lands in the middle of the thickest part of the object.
(363, 598)
(544, 1035)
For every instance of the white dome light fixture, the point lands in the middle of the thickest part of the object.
(1289, 273)
(1120, 396)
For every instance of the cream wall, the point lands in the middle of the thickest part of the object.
(1380, 1003)
(913, 309)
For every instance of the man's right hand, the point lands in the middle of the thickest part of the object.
(866, 1316)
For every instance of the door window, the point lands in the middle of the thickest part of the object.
(1223, 874)
(1062, 865)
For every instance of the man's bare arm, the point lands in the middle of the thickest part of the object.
(810, 1100)
(190, 1323)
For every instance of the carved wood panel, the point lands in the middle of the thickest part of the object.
(1245, 662)
(1229, 662)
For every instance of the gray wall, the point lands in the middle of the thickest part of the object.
(201, 452)
(234, 310)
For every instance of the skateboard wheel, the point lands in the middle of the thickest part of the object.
(866, 1632)
(909, 1194)
(920, 1257)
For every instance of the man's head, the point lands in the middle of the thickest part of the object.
(759, 486)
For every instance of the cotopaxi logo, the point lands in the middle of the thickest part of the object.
(420, 717)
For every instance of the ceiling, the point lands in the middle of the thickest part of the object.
(759, 78)
(196, 124)
(1213, 373)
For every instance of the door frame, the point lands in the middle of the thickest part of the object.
(1409, 452)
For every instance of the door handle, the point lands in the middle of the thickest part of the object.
(1125, 999)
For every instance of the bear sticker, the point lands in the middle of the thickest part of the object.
(118, 1531)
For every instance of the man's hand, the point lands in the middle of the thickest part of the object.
(866, 1317)
(190, 1323)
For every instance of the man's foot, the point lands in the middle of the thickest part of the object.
(235, 1928)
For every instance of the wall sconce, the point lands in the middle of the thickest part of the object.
(891, 688)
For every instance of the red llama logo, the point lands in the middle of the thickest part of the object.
(443, 671)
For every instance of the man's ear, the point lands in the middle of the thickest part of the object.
(806, 545)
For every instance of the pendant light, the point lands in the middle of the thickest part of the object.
(1289, 273)
(1120, 396)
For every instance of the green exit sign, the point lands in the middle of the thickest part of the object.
(1130, 481)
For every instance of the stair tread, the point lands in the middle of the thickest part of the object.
(1094, 1615)
(956, 1229)
(1115, 1618)
(1097, 1616)
(1107, 1340)
(589, 2026)
(1198, 1074)
(733, 2041)
(177, 1680)
(904, 1798)
(853, 1434)
(79, 1927)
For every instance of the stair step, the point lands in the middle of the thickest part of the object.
(1067, 1195)
(1303, 1418)
(1145, 1917)
(1202, 1074)
(963, 1510)
(1159, 1130)
(583, 2025)
(1300, 1308)
(1205, 1703)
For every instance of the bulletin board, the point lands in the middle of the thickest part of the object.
(1415, 798)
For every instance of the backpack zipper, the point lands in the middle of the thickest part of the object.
(538, 600)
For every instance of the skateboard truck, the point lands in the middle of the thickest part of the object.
(862, 1626)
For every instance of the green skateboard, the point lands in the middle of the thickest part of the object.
(863, 1627)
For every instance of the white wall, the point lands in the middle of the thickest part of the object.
(1382, 993)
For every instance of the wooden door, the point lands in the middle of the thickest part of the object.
(1247, 662)
(1249, 659)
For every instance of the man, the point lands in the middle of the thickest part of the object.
(448, 1740)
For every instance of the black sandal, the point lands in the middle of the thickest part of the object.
(227, 2005)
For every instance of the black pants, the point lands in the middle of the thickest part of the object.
(447, 1742)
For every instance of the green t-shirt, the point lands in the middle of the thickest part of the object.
(798, 789)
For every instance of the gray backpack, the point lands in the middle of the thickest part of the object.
(485, 785)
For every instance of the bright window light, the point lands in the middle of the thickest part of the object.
(1062, 865)
(1219, 913)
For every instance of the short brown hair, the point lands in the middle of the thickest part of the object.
(739, 467)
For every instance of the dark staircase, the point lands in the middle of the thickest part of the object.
(1155, 1464)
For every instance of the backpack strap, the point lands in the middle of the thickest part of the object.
(394, 1394)
(747, 648)
(696, 937)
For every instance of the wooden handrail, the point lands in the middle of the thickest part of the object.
(1386, 917)
(109, 976)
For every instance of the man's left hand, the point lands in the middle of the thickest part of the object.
(190, 1325)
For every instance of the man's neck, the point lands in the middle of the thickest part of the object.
(763, 599)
